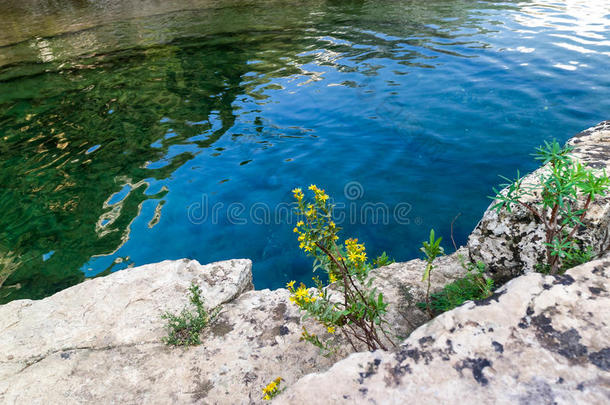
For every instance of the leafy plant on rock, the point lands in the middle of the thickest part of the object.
(382, 260)
(556, 201)
(472, 287)
(431, 249)
(184, 328)
(573, 257)
(351, 305)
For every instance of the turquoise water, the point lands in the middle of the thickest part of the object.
(134, 132)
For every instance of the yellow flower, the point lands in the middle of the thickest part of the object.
(298, 194)
(355, 251)
(290, 285)
(311, 210)
(321, 196)
(272, 389)
(301, 292)
(300, 223)
(330, 329)
(295, 230)
(332, 278)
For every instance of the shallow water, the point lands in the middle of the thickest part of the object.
(134, 132)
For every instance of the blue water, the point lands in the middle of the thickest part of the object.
(413, 108)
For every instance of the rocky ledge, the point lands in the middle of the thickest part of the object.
(100, 341)
(538, 339)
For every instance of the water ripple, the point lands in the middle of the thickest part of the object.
(117, 117)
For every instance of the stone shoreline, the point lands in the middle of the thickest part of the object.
(539, 339)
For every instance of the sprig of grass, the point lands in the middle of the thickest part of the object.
(184, 329)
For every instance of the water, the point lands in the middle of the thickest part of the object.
(134, 132)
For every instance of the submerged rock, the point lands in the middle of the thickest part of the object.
(512, 243)
(537, 340)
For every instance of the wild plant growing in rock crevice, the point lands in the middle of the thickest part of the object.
(473, 286)
(351, 305)
(273, 389)
(431, 249)
(184, 328)
(555, 200)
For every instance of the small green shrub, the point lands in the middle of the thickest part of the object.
(431, 249)
(353, 306)
(472, 287)
(184, 328)
(576, 256)
(554, 202)
(572, 258)
(382, 260)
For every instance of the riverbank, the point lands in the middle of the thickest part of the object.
(537, 339)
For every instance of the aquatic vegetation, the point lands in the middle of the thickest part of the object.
(350, 304)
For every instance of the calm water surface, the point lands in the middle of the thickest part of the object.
(137, 131)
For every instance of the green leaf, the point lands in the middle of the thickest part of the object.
(426, 272)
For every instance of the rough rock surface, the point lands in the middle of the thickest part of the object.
(537, 340)
(511, 244)
(402, 286)
(115, 310)
(100, 341)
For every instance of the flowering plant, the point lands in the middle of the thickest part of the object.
(351, 304)
(272, 389)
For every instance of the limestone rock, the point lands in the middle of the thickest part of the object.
(402, 287)
(512, 243)
(100, 341)
(537, 340)
(120, 309)
(254, 340)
